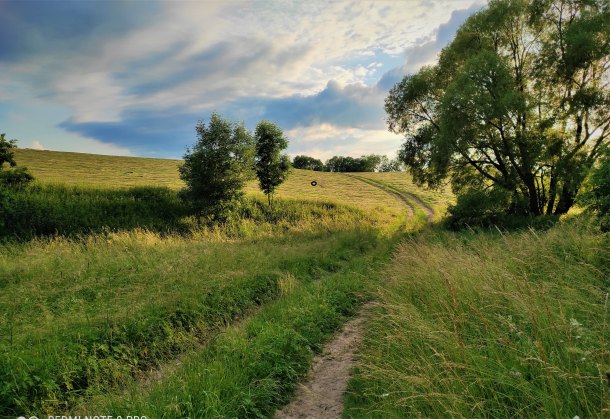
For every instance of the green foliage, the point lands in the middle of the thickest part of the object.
(367, 163)
(518, 101)
(14, 177)
(307, 163)
(6, 151)
(271, 166)
(216, 169)
(390, 165)
(494, 207)
(597, 197)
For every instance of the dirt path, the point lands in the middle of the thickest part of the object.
(406, 197)
(321, 395)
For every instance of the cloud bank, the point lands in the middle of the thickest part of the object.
(134, 77)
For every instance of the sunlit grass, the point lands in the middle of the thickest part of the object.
(111, 172)
(490, 325)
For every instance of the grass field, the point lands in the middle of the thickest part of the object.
(112, 171)
(99, 309)
(94, 169)
(125, 305)
(490, 325)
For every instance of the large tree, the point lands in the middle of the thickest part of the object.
(519, 101)
(217, 167)
(271, 165)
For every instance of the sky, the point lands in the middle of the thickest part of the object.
(134, 77)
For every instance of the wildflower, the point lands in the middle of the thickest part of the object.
(574, 323)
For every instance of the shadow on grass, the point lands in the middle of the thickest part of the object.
(47, 210)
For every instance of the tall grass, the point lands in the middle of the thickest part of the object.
(253, 368)
(67, 210)
(490, 325)
(91, 312)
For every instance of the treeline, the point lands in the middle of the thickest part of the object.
(368, 163)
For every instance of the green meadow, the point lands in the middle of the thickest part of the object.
(113, 300)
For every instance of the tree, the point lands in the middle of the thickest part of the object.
(307, 163)
(271, 166)
(368, 163)
(13, 177)
(217, 167)
(518, 101)
(390, 165)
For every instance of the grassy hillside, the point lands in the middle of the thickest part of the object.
(94, 169)
(104, 172)
(83, 317)
(490, 324)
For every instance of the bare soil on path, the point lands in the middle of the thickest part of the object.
(321, 395)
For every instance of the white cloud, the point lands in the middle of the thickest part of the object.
(325, 140)
(266, 49)
(37, 145)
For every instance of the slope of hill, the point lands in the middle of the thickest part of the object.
(98, 310)
(89, 170)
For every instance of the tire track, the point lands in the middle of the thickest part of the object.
(411, 200)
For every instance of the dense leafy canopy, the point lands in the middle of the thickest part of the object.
(307, 163)
(597, 197)
(519, 101)
(367, 163)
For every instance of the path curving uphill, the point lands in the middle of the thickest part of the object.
(411, 200)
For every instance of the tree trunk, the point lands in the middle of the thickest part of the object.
(566, 200)
(532, 192)
(552, 194)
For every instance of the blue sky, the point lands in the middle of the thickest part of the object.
(133, 78)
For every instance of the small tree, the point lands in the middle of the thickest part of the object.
(390, 165)
(13, 177)
(271, 166)
(217, 167)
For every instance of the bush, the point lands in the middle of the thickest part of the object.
(58, 209)
(17, 178)
(493, 207)
(478, 208)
